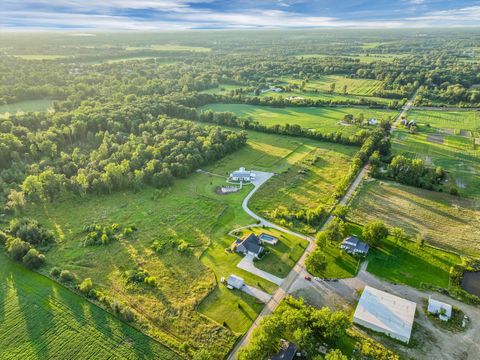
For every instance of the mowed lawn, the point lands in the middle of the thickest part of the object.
(454, 153)
(455, 120)
(281, 257)
(324, 119)
(409, 264)
(443, 220)
(307, 184)
(190, 211)
(25, 106)
(40, 319)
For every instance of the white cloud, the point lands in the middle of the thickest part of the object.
(179, 14)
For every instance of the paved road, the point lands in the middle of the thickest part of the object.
(298, 272)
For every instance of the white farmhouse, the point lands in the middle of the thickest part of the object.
(242, 175)
(385, 313)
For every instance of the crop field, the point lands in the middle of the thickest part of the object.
(324, 119)
(325, 96)
(41, 57)
(362, 58)
(443, 220)
(361, 87)
(41, 319)
(170, 47)
(26, 106)
(454, 153)
(221, 89)
(448, 120)
(306, 184)
(190, 211)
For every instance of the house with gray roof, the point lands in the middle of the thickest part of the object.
(353, 245)
(250, 244)
(242, 175)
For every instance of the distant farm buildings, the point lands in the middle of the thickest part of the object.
(386, 313)
(242, 175)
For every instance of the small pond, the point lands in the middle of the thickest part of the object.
(471, 282)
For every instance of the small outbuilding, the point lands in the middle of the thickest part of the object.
(441, 309)
(235, 281)
(386, 313)
(353, 245)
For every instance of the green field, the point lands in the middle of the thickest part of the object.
(222, 89)
(26, 106)
(454, 153)
(307, 184)
(190, 211)
(362, 58)
(359, 87)
(282, 256)
(443, 220)
(325, 96)
(41, 57)
(170, 47)
(407, 263)
(453, 120)
(324, 119)
(42, 320)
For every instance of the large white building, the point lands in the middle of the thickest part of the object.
(385, 313)
(242, 175)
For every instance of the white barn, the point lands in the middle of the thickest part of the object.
(385, 313)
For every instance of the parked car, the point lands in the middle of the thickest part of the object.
(308, 278)
(317, 278)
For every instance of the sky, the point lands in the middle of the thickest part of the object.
(214, 14)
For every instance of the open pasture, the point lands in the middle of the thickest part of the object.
(169, 47)
(325, 96)
(189, 212)
(407, 263)
(41, 319)
(324, 119)
(25, 106)
(354, 86)
(307, 184)
(442, 220)
(450, 120)
(454, 153)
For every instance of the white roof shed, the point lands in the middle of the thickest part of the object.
(235, 281)
(443, 310)
(385, 313)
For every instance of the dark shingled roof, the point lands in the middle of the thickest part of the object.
(251, 243)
